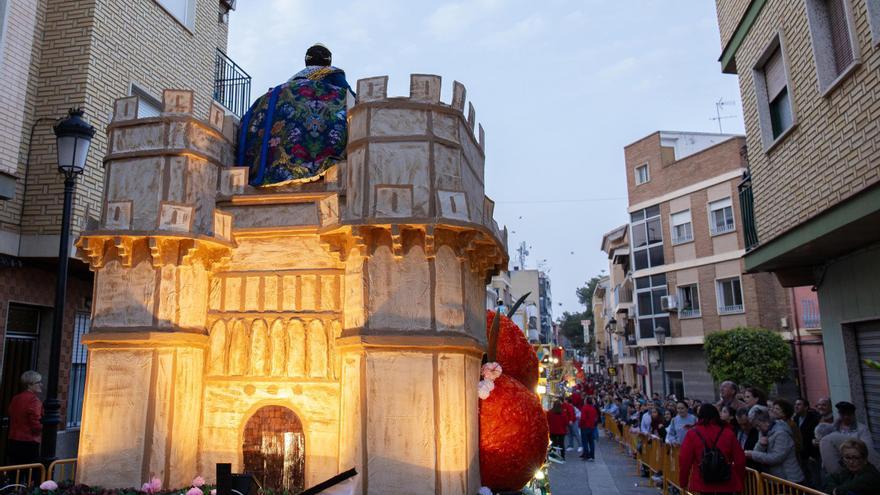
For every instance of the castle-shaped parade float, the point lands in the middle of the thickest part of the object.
(295, 332)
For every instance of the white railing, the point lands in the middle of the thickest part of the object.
(722, 229)
(733, 308)
(689, 313)
(688, 237)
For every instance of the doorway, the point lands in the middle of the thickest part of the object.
(274, 449)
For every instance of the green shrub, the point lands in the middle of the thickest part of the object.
(753, 356)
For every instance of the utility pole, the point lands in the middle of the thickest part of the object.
(521, 252)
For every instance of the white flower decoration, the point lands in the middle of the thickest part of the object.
(485, 388)
(484, 490)
(491, 371)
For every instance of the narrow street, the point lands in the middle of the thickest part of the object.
(612, 473)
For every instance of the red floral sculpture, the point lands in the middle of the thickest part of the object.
(514, 353)
(513, 435)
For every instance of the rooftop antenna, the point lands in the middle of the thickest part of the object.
(521, 252)
(719, 106)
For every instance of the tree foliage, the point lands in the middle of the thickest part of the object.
(753, 356)
(585, 294)
(570, 327)
(570, 323)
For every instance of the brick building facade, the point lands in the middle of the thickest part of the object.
(686, 245)
(55, 55)
(808, 79)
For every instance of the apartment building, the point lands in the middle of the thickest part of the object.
(618, 327)
(686, 263)
(595, 329)
(537, 309)
(808, 77)
(55, 55)
(498, 291)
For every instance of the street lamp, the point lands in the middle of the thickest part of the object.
(73, 136)
(660, 334)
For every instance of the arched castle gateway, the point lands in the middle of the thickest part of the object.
(352, 305)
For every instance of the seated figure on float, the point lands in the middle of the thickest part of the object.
(297, 130)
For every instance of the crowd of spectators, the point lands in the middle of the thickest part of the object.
(823, 447)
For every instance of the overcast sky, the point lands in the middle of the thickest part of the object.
(559, 86)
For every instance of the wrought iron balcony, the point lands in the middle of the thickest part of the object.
(747, 210)
(232, 85)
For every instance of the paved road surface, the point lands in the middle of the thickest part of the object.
(611, 474)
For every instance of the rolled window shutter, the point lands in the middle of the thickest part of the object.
(774, 74)
(840, 42)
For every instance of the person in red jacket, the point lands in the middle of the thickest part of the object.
(587, 424)
(25, 428)
(589, 389)
(577, 399)
(557, 419)
(710, 431)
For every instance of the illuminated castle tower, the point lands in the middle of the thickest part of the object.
(296, 332)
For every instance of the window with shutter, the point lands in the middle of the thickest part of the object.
(682, 230)
(833, 37)
(839, 31)
(148, 106)
(774, 75)
(778, 100)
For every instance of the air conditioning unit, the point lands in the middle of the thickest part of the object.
(668, 303)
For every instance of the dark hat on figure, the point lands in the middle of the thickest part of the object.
(844, 407)
(318, 54)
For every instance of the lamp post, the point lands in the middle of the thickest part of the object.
(660, 333)
(73, 136)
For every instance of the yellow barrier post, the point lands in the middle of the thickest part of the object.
(62, 470)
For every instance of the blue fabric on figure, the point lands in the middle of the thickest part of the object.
(299, 129)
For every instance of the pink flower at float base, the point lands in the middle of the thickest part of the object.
(153, 486)
(198, 482)
(491, 371)
(194, 491)
(213, 491)
(485, 388)
(49, 485)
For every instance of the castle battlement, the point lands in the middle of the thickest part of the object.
(425, 89)
(349, 306)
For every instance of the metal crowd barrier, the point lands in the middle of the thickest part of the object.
(33, 474)
(22, 475)
(768, 484)
(661, 459)
(62, 470)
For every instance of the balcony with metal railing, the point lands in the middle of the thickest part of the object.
(722, 228)
(232, 85)
(623, 297)
(747, 211)
(730, 309)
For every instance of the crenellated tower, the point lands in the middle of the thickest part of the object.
(345, 313)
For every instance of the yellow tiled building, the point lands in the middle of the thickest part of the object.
(56, 55)
(809, 82)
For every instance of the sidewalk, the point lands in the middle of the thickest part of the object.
(612, 473)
